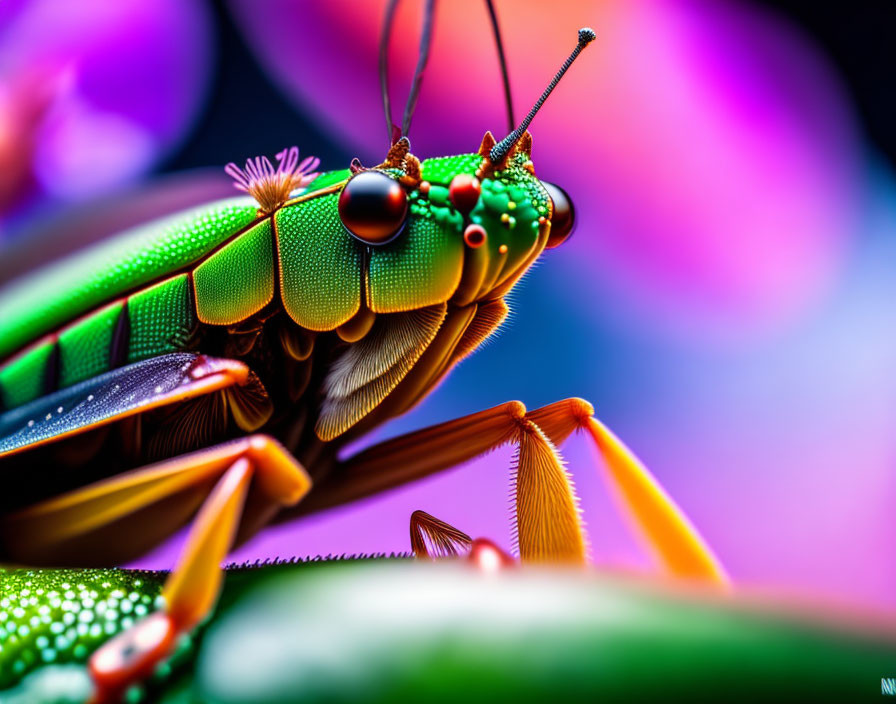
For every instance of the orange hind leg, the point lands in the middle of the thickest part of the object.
(239, 486)
(547, 515)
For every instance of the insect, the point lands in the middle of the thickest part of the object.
(207, 370)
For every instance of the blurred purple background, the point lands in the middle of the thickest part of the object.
(93, 93)
(726, 303)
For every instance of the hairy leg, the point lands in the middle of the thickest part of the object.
(545, 516)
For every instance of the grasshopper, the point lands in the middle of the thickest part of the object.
(207, 369)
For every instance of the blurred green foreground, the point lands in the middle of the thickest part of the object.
(395, 630)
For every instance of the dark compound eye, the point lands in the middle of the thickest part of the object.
(563, 219)
(373, 207)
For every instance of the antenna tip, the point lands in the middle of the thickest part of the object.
(586, 36)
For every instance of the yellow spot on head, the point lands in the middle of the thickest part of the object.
(502, 249)
(505, 217)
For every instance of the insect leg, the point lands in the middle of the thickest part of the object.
(678, 545)
(242, 484)
(663, 525)
(432, 538)
(280, 480)
(547, 516)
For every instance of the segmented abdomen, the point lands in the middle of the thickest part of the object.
(142, 294)
(84, 325)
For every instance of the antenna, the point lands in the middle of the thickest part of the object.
(423, 57)
(385, 34)
(500, 150)
(499, 44)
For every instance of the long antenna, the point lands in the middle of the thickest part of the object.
(422, 58)
(496, 30)
(499, 151)
(385, 34)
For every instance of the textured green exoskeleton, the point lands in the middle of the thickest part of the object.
(146, 293)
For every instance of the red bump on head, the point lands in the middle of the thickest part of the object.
(474, 236)
(464, 193)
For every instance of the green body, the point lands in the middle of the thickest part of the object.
(143, 293)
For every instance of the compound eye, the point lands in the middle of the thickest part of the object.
(563, 217)
(373, 207)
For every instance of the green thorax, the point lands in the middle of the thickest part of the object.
(220, 264)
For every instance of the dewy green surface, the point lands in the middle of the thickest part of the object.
(320, 264)
(328, 178)
(161, 318)
(48, 617)
(23, 379)
(46, 300)
(238, 280)
(404, 630)
(85, 348)
(442, 169)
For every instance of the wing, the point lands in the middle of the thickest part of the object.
(123, 392)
